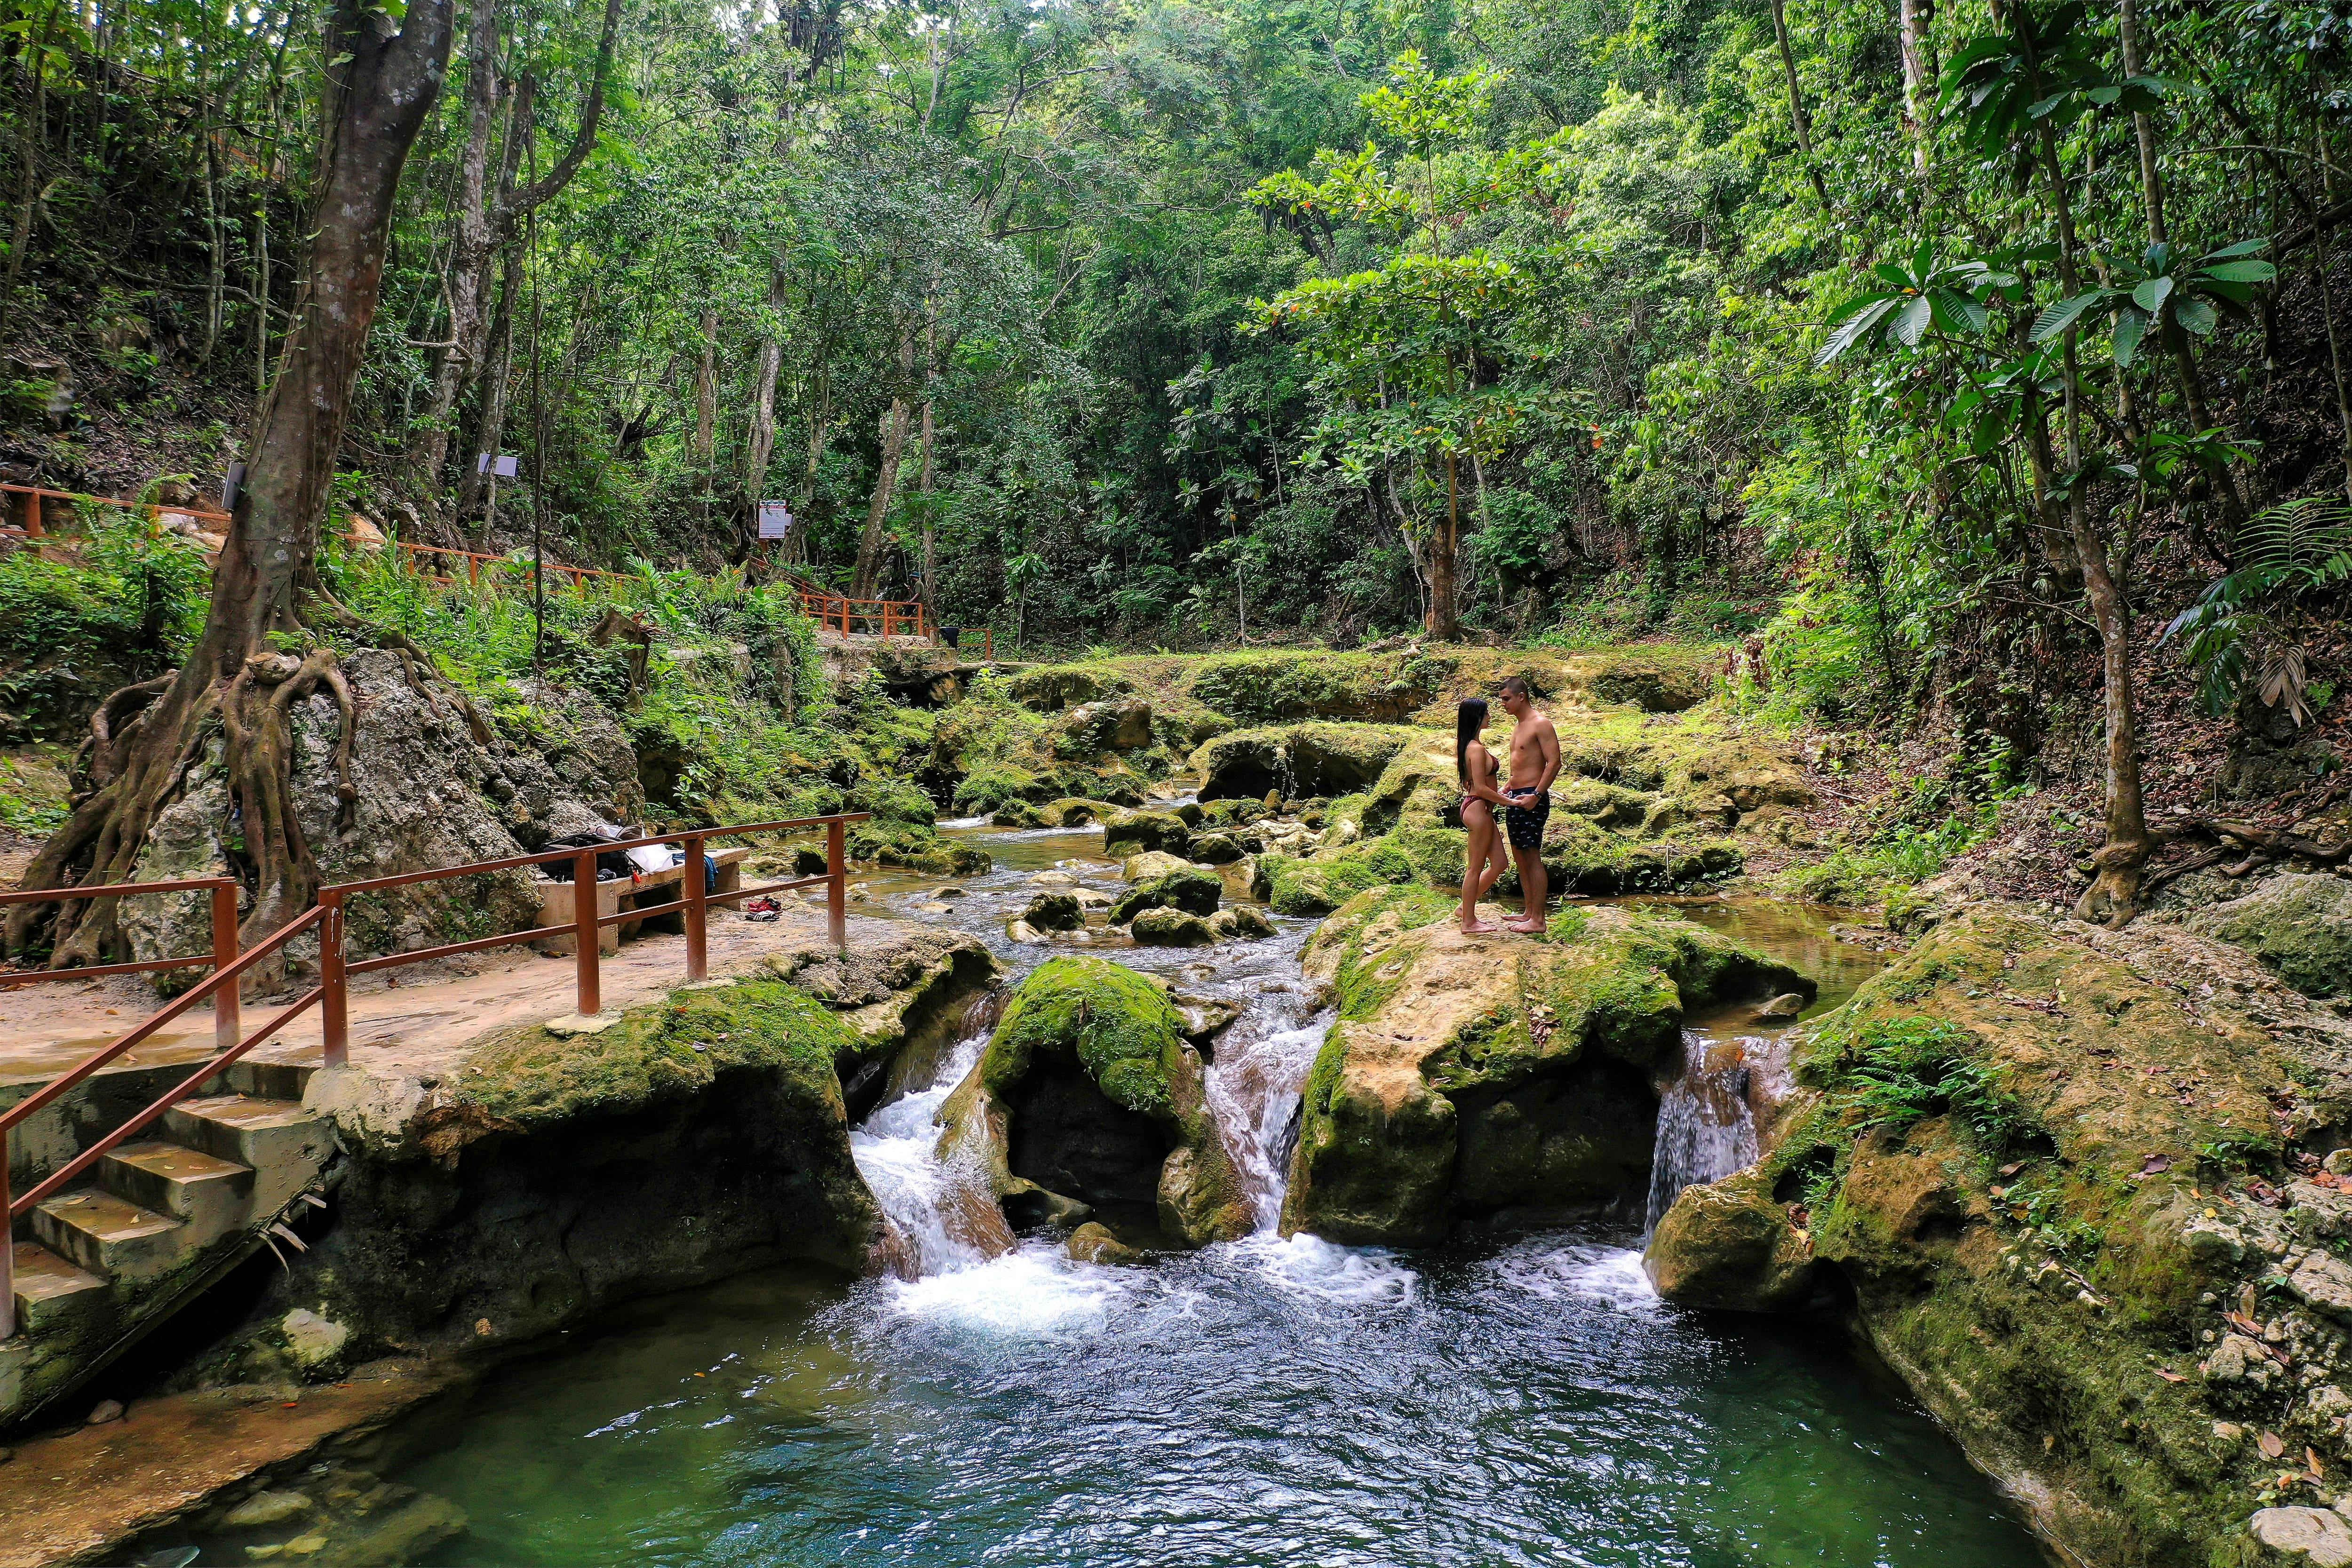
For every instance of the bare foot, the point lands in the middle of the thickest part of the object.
(1478, 928)
(1530, 927)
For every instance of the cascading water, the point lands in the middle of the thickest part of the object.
(897, 1152)
(1270, 1401)
(1706, 1131)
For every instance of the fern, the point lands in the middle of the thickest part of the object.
(2235, 634)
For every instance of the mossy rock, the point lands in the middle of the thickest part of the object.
(1312, 886)
(1656, 679)
(1112, 725)
(1071, 812)
(1581, 857)
(1727, 1244)
(1055, 911)
(1297, 762)
(914, 847)
(1213, 849)
(1195, 892)
(1285, 687)
(1089, 1102)
(1053, 686)
(2299, 925)
(1467, 1078)
(993, 788)
(1133, 832)
(2025, 1148)
(1171, 928)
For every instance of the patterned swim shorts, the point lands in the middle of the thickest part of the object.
(1525, 824)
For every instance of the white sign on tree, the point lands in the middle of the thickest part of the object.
(775, 519)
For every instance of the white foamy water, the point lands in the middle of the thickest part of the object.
(897, 1152)
(1252, 1089)
(1035, 1290)
(1553, 1270)
(1311, 1266)
(1705, 1129)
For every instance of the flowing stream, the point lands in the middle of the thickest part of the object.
(1269, 1401)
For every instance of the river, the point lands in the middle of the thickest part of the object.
(1511, 1400)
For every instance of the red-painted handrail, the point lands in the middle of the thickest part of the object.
(331, 994)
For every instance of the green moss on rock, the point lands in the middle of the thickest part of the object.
(1192, 893)
(1466, 1077)
(1120, 1034)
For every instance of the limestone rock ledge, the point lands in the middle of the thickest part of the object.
(2080, 1188)
(1476, 1078)
(544, 1178)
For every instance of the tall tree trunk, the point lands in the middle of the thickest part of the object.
(1442, 622)
(2113, 892)
(1797, 104)
(35, 131)
(930, 532)
(474, 485)
(2319, 236)
(1919, 80)
(796, 548)
(865, 579)
(484, 225)
(379, 87)
(706, 395)
(2151, 184)
(763, 392)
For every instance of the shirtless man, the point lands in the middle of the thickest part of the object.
(1534, 763)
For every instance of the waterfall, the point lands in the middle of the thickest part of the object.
(1255, 1079)
(1705, 1129)
(897, 1152)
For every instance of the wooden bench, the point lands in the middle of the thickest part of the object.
(555, 906)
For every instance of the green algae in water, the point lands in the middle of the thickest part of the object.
(1265, 1402)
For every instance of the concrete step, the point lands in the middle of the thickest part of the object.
(285, 1145)
(91, 1227)
(214, 1196)
(51, 1291)
(270, 1080)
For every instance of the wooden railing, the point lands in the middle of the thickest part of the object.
(332, 995)
(30, 524)
(836, 612)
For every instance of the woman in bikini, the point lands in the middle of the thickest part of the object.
(1475, 766)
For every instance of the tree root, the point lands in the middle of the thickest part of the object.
(138, 764)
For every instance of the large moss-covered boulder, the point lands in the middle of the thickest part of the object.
(1134, 832)
(1468, 1077)
(1090, 1104)
(915, 848)
(1727, 1244)
(1171, 928)
(1193, 891)
(1114, 724)
(2299, 925)
(1301, 762)
(2045, 1159)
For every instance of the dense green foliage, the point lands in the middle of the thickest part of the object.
(1176, 323)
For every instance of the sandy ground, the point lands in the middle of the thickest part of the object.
(403, 1022)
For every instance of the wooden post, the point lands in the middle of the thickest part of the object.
(334, 994)
(887, 608)
(227, 1029)
(8, 1251)
(584, 931)
(837, 889)
(697, 945)
(32, 514)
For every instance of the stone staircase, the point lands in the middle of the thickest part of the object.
(167, 1216)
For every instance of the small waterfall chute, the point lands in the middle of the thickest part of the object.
(1706, 1131)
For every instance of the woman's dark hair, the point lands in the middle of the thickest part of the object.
(1469, 720)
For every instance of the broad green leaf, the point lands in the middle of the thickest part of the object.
(2130, 327)
(1910, 324)
(2060, 316)
(2195, 315)
(2242, 272)
(2151, 295)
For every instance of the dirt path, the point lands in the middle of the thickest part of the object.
(406, 1027)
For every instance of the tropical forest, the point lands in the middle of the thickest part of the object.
(1242, 782)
